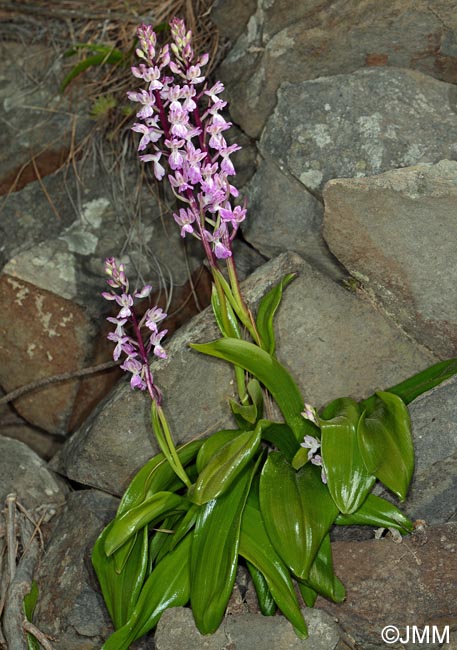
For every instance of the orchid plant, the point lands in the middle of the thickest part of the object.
(264, 492)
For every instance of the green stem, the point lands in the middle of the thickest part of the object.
(248, 319)
(166, 444)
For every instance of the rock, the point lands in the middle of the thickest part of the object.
(107, 450)
(386, 231)
(231, 16)
(41, 443)
(26, 474)
(400, 585)
(39, 125)
(296, 41)
(176, 631)
(51, 335)
(70, 607)
(284, 216)
(360, 124)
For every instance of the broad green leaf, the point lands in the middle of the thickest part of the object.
(385, 441)
(185, 524)
(321, 577)
(347, 478)
(29, 603)
(155, 476)
(266, 313)
(280, 435)
(268, 371)
(297, 509)
(378, 512)
(121, 590)
(215, 553)
(308, 594)
(213, 444)
(225, 466)
(420, 383)
(167, 586)
(256, 548)
(266, 601)
(161, 535)
(150, 511)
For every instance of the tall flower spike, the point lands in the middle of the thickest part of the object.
(182, 128)
(133, 348)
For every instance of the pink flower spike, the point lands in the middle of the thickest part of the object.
(108, 296)
(159, 170)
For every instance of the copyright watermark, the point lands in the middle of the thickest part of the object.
(414, 634)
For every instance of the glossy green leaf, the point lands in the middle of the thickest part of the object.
(185, 524)
(378, 512)
(150, 511)
(385, 441)
(266, 601)
(308, 594)
(213, 444)
(215, 553)
(225, 466)
(268, 371)
(256, 548)
(156, 476)
(160, 537)
(322, 578)
(167, 586)
(281, 436)
(348, 480)
(420, 383)
(121, 590)
(266, 313)
(29, 603)
(297, 509)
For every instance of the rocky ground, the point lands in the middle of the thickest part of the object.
(348, 114)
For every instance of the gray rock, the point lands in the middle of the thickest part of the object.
(333, 344)
(41, 443)
(70, 607)
(361, 124)
(231, 16)
(284, 216)
(387, 231)
(295, 41)
(23, 472)
(176, 631)
(402, 585)
(38, 123)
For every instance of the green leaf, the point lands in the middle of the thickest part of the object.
(321, 577)
(150, 511)
(308, 594)
(385, 441)
(213, 444)
(252, 412)
(113, 57)
(280, 435)
(378, 512)
(256, 548)
(155, 476)
(121, 590)
(29, 603)
(268, 371)
(420, 383)
(167, 586)
(347, 478)
(297, 509)
(226, 465)
(185, 524)
(266, 313)
(266, 601)
(161, 536)
(215, 553)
